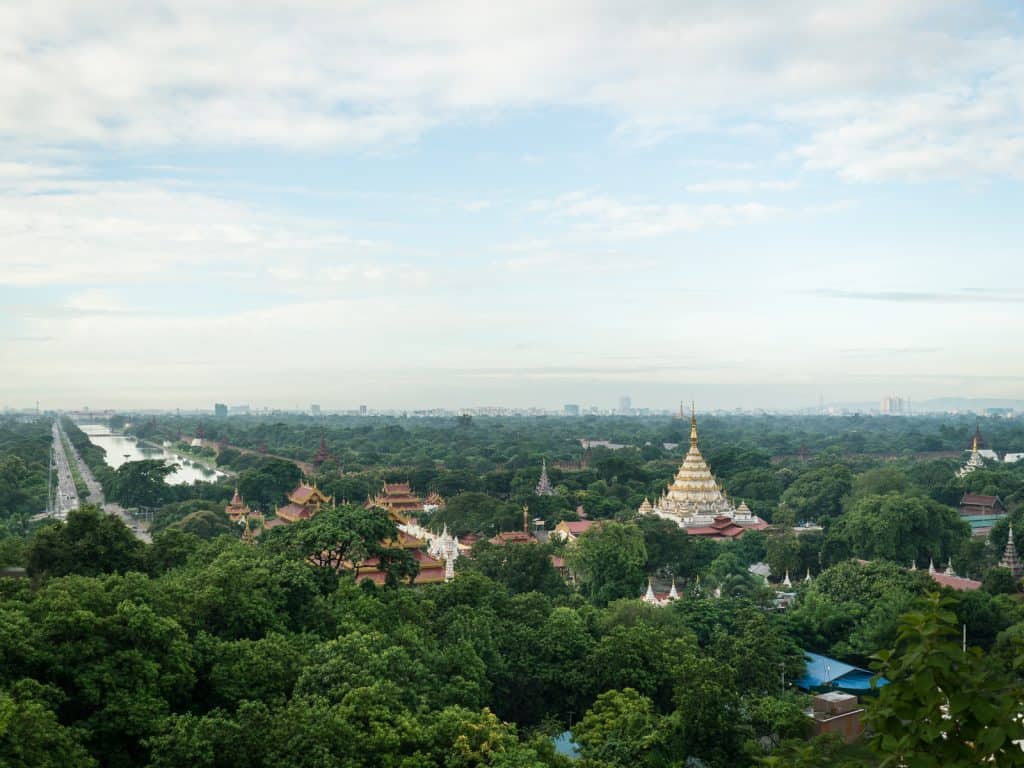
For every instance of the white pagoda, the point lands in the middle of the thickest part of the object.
(695, 500)
(974, 462)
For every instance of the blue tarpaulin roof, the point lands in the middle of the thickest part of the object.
(564, 745)
(825, 672)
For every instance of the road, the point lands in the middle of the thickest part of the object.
(67, 495)
(96, 495)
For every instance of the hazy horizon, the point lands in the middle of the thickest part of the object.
(441, 206)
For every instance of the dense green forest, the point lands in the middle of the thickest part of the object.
(201, 650)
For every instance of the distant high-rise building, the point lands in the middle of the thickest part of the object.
(625, 404)
(362, 410)
(220, 410)
(571, 409)
(239, 410)
(893, 406)
(314, 409)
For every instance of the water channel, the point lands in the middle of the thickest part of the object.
(122, 448)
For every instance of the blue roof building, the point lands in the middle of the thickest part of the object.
(824, 673)
(564, 745)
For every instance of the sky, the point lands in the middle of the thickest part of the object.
(451, 204)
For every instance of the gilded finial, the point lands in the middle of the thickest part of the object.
(693, 425)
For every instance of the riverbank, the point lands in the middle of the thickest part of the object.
(206, 461)
(96, 496)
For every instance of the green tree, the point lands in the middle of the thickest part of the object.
(900, 528)
(818, 493)
(30, 734)
(943, 707)
(783, 555)
(999, 581)
(142, 483)
(89, 542)
(621, 729)
(520, 567)
(609, 561)
(473, 512)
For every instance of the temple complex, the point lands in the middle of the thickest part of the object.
(237, 509)
(432, 570)
(441, 546)
(399, 500)
(695, 501)
(303, 503)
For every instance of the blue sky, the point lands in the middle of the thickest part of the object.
(435, 205)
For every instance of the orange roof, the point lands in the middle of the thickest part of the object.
(955, 582)
(306, 493)
(294, 512)
(722, 528)
(577, 527)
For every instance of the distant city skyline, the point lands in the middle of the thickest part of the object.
(432, 205)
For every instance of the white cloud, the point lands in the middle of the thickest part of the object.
(309, 74)
(745, 186)
(953, 133)
(67, 231)
(641, 219)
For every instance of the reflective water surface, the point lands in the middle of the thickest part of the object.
(121, 449)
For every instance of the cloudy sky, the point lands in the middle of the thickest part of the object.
(434, 204)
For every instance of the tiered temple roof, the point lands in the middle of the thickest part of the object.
(400, 500)
(1010, 559)
(322, 454)
(696, 502)
(303, 503)
(237, 509)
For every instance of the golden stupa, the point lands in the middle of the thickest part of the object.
(694, 498)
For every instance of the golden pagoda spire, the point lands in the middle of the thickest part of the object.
(974, 448)
(693, 425)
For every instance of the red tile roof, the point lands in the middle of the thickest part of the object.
(979, 498)
(293, 512)
(717, 533)
(724, 527)
(301, 494)
(955, 582)
(578, 527)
